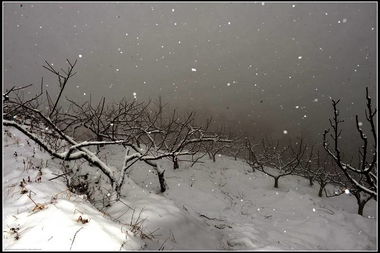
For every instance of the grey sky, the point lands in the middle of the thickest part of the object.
(262, 67)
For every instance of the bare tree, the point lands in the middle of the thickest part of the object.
(28, 109)
(364, 176)
(283, 159)
(109, 121)
(237, 147)
(306, 167)
(326, 172)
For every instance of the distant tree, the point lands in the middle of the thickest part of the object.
(237, 147)
(284, 160)
(306, 167)
(326, 173)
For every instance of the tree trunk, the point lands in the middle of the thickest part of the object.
(117, 190)
(311, 181)
(214, 157)
(175, 163)
(99, 138)
(276, 182)
(361, 203)
(161, 179)
(361, 207)
(321, 187)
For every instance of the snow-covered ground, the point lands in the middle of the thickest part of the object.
(219, 205)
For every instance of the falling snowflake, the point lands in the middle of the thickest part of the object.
(299, 57)
(313, 209)
(297, 107)
(228, 84)
(173, 10)
(315, 100)
(84, 93)
(347, 191)
(293, 5)
(117, 69)
(80, 56)
(360, 123)
(193, 69)
(229, 22)
(344, 20)
(285, 132)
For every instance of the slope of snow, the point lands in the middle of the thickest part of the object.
(221, 205)
(54, 226)
(246, 212)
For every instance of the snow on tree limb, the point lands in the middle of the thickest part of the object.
(366, 169)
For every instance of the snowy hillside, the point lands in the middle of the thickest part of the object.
(221, 205)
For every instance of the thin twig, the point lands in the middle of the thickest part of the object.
(74, 237)
(59, 176)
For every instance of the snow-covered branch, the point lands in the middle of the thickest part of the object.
(366, 170)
